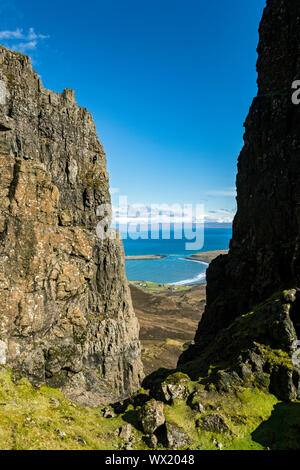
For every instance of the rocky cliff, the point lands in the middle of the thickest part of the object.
(65, 308)
(253, 298)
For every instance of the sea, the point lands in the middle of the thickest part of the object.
(175, 268)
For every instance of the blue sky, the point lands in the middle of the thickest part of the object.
(169, 84)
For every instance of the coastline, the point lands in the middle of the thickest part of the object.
(168, 315)
(204, 258)
(144, 257)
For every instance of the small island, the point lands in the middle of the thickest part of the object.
(144, 257)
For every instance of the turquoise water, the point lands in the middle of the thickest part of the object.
(175, 268)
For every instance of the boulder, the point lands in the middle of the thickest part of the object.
(213, 423)
(126, 432)
(152, 416)
(172, 388)
(176, 437)
(282, 384)
(108, 413)
(151, 441)
(195, 401)
(226, 380)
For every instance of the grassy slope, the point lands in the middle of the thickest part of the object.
(30, 420)
(42, 418)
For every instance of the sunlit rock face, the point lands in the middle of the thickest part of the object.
(264, 256)
(66, 316)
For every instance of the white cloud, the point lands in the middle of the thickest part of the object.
(17, 34)
(28, 41)
(32, 35)
(176, 214)
(221, 216)
(164, 214)
(25, 46)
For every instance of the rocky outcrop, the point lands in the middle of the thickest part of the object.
(65, 308)
(261, 274)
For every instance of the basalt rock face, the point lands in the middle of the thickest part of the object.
(66, 316)
(264, 257)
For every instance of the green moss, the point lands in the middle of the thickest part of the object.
(177, 377)
(29, 420)
(213, 368)
(243, 412)
(43, 418)
(276, 357)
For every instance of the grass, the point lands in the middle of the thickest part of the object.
(243, 413)
(154, 350)
(35, 419)
(43, 418)
(176, 342)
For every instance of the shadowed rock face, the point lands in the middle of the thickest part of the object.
(264, 255)
(66, 316)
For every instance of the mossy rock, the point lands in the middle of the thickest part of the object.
(176, 386)
(213, 423)
(176, 437)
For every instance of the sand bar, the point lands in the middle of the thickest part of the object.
(144, 257)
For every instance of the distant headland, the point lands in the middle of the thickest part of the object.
(144, 257)
(208, 256)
